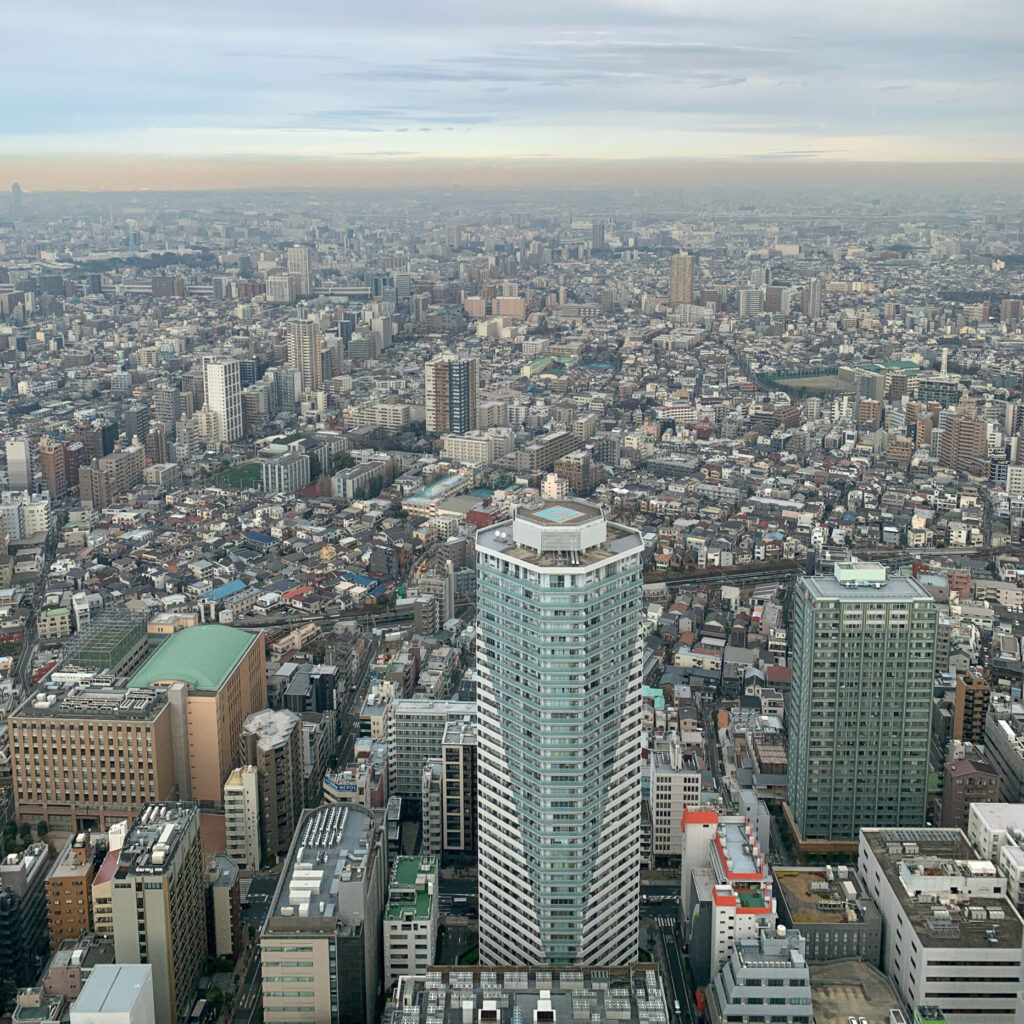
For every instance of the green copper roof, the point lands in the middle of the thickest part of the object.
(203, 656)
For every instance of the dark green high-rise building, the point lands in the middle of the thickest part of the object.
(863, 659)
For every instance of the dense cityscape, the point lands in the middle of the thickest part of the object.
(512, 606)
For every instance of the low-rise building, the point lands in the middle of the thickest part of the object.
(410, 917)
(766, 978)
(117, 994)
(726, 888)
(996, 831)
(830, 909)
(68, 906)
(675, 785)
(534, 995)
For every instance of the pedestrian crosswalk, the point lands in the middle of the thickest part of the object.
(244, 885)
(665, 922)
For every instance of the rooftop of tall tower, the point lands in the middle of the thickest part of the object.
(566, 533)
(864, 581)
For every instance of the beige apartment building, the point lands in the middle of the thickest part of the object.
(159, 904)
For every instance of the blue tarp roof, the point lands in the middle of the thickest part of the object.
(224, 590)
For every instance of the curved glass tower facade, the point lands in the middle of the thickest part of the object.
(558, 703)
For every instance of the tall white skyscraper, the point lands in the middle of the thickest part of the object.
(558, 704)
(19, 464)
(300, 267)
(304, 352)
(224, 395)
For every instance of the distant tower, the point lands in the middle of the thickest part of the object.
(810, 299)
(680, 289)
(300, 267)
(133, 237)
(945, 362)
(305, 347)
(597, 239)
(451, 395)
(15, 200)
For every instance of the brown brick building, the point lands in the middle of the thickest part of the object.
(68, 903)
(89, 756)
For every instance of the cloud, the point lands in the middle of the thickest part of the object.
(793, 154)
(646, 76)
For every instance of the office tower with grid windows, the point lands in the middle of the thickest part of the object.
(558, 767)
(863, 659)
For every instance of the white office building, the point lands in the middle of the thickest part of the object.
(116, 994)
(558, 702)
(410, 917)
(951, 938)
(19, 464)
(675, 785)
(242, 817)
(224, 396)
(996, 831)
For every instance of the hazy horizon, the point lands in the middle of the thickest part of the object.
(130, 175)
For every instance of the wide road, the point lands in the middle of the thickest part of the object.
(676, 988)
(248, 1001)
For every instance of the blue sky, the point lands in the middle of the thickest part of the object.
(865, 80)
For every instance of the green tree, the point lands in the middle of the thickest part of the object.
(41, 829)
(215, 997)
(25, 833)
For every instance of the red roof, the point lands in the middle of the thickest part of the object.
(107, 868)
(691, 816)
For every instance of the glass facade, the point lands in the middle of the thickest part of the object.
(863, 670)
(558, 749)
